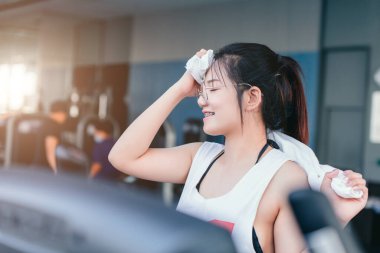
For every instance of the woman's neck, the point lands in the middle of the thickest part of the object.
(244, 145)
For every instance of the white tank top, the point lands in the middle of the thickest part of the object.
(235, 210)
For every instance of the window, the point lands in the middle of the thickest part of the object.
(18, 88)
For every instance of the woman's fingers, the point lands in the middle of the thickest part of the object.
(364, 189)
(330, 175)
(356, 182)
(201, 52)
(354, 179)
(352, 174)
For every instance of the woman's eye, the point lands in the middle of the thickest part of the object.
(213, 89)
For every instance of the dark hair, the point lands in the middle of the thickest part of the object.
(278, 77)
(59, 106)
(104, 125)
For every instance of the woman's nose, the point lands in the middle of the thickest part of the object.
(201, 101)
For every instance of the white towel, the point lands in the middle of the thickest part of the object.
(339, 186)
(305, 157)
(198, 66)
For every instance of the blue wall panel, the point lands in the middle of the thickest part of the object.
(150, 80)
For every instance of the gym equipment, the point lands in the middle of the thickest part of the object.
(41, 213)
(319, 225)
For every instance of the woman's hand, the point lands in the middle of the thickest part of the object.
(187, 84)
(346, 208)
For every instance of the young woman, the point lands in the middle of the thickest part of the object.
(242, 185)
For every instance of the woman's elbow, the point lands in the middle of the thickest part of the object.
(115, 159)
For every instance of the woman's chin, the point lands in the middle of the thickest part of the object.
(212, 132)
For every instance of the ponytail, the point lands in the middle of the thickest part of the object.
(290, 87)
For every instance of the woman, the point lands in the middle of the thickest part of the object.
(242, 185)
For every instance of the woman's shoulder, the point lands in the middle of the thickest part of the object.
(212, 145)
(202, 154)
(206, 149)
(290, 177)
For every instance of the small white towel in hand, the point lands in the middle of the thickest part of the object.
(305, 157)
(197, 66)
(339, 185)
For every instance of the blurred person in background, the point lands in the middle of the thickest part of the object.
(52, 130)
(100, 167)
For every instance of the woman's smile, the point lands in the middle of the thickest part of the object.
(208, 114)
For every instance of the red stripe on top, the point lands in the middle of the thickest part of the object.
(229, 226)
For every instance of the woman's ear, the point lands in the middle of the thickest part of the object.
(254, 98)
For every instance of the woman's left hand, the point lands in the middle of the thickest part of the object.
(346, 208)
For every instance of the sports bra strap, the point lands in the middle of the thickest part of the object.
(271, 143)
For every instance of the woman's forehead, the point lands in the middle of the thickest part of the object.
(216, 74)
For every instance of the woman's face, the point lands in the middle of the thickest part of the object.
(219, 103)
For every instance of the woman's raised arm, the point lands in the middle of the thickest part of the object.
(131, 153)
